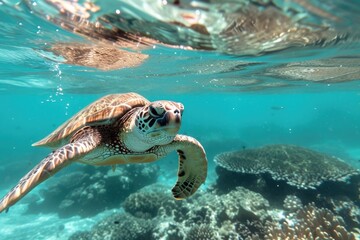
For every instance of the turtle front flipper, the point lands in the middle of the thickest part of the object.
(54, 162)
(192, 166)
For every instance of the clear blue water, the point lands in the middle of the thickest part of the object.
(294, 92)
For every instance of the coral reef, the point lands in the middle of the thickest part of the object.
(220, 216)
(206, 216)
(118, 226)
(276, 171)
(251, 206)
(202, 232)
(240, 214)
(91, 191)
(299, 167)
(292, 203)
(147, 202)
(310, 223)
(347, 209)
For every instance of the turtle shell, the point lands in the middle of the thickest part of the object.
(103, 111)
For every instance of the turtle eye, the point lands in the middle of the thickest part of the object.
(154, 113)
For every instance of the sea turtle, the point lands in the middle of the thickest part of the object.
(119, 129)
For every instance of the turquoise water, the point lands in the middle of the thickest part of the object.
(297, 87)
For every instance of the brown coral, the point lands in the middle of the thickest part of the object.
(292, 203)
(311, 223)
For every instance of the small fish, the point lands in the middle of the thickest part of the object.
(277, 108)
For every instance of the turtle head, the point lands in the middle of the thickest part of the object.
(158, 122)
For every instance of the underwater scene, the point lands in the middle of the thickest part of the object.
(179, 119)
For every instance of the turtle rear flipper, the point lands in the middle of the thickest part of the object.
(53, 163)
(192, 166)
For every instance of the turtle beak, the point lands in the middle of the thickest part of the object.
(171, 122)
(174, 116)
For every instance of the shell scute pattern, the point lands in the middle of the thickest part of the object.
(103, 111)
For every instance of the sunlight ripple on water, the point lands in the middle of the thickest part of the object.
(244, 45)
